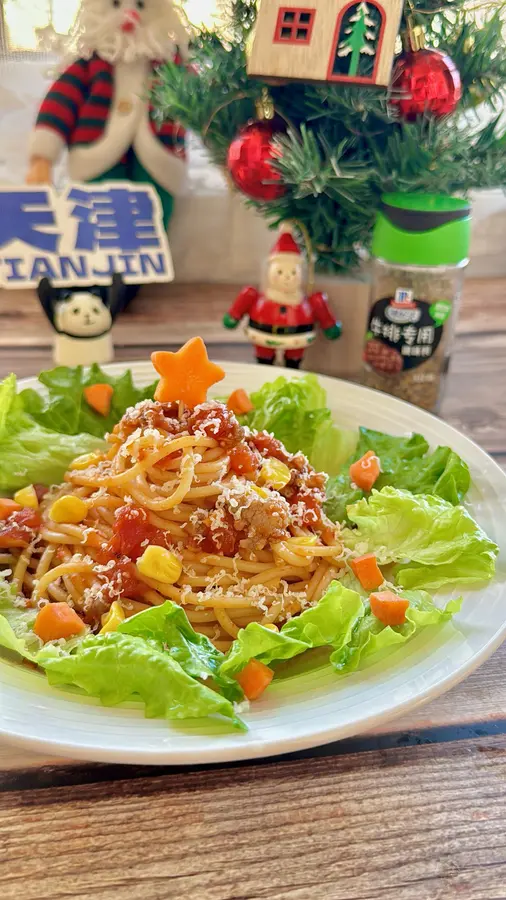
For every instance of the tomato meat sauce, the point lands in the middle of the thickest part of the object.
(220, 538)
(244, 460)
(267, 445)
(215, 421)
(133, 532)
(20, 528)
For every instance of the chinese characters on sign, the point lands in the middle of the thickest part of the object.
(82, 236)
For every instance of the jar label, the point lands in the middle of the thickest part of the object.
(403, 332)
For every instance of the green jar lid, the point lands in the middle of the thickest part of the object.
(422, 230)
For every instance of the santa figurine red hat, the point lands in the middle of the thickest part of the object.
(285, 243)
(282, 317)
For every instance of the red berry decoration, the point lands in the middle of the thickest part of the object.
(425, 82)
(249, 162)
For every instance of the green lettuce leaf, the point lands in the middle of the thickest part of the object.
(159, 661)
(168, 628)
(16, 624)
(118, 667)
(371, 639)
(257, 642)
(64, 409)
(330, 622)
(30, 453)
(443, 543)
(405, 464)
(296, 413)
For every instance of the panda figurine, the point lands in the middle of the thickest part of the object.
(82, 320)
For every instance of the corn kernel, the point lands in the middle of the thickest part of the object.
(27, 497)
(87, 459)
(110, 620)
(68, 509)
(304, 540)
(271, 626)
(275, 473)
(260, 491)
(160, 565)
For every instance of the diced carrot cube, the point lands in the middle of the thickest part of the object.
(57, 620)
(367, 571)
(365, 471)
(254, 678)
(388, 607)
(239, 402)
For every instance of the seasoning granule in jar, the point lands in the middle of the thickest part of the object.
(420, 248)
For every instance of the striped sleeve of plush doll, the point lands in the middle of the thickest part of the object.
(59, 111)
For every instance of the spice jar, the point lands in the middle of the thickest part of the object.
(420, 250)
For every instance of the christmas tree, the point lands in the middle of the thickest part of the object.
(346, 144)
(357, 38)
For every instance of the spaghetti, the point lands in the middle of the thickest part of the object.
(242, 515)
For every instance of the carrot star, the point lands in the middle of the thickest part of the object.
(186, 375)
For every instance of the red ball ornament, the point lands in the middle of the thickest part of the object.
(249, 162)
(425, 82)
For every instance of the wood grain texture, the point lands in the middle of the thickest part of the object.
(171, 311)
(418, 823)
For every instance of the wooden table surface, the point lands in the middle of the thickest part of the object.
(414, 811)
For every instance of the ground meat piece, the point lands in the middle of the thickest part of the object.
(299, 463)
(268, 445)
(306, 508)
(312, 484)
(40, 491)
(220, 535)
(264, 521)
(244, 460)
(20, 528)
(94, 607)
(216, 421)
(303, 478)
(118, 581)
(151, 414)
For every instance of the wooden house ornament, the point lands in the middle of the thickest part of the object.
(326, 40)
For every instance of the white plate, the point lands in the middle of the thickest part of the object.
(306, 708)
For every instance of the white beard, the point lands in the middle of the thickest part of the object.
(294, 298)
(96, 33)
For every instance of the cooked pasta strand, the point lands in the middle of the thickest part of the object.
(246, 554)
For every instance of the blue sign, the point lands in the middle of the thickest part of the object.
(82, 236)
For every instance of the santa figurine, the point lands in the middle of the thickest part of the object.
(282, 317)
(99, 107)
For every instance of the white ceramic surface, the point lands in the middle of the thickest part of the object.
(305, 708)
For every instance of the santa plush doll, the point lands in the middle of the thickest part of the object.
(99, 106)
(282, 317)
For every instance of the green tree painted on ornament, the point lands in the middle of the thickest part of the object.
(358, 41)
(348, 144)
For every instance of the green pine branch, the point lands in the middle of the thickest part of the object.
(345, 146)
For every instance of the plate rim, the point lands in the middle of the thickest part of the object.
(257, 750)
(210, 753)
